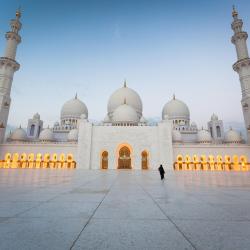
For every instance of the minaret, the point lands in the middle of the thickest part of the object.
(8, 66)
(242, 66)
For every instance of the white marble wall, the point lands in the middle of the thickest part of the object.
(93, 140)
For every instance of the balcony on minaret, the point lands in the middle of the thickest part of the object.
(6, 104)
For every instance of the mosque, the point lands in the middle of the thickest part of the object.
(124, 139)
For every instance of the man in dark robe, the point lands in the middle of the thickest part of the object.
(162, 172)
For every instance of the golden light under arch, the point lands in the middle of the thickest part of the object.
(118, 148)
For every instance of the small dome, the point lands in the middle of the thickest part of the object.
(132, 98)
(176, 136)
(56, 124)
(232, 136)
(73, 135)
(193, 125)
(143, 120)
(203, 136)
(83, 117)
(175, 109)
(18, 134)
(214, 117)
(106, 119)
(36, 116)
(46, 135)
(125, 113)
(73, 108)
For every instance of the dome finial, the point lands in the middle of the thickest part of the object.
(234, 13)
(174, 96)
(125, 83)
(18, 12)
(76, 96)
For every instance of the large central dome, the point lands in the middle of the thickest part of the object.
(118, 97)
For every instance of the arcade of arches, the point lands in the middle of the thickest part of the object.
(38, 161)
(124, 159)
(212, 163)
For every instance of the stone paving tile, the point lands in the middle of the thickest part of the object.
(131, 234)
(10, 209)
(39, 233)
(210, 235)
(62, 209)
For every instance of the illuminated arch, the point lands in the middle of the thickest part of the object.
(31, 158)
(120, 146)
(23, 160)
(104, 159)
(144, 159)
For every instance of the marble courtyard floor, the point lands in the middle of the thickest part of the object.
(81, 209)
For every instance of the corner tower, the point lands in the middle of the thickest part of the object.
(242, 66)
(8, 66)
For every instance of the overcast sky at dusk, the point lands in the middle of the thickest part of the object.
(160, 47)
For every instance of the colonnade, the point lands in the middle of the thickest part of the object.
(38, 161)
(212, 163)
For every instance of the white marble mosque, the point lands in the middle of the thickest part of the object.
(124, 139)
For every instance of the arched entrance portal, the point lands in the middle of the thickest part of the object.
(144, 160)
(124, 160)
(105, 160)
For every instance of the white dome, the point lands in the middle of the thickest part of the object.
(214, 117)
(36, 116)
(106, 119)
(73, 108)
(176, 109)
(46, 135)
(132, 99)
(73, 135)
(232, 136)
(176, 136)
(125, 113)
(19, 134)
(143, 120)
(194, 125)
(204, 136)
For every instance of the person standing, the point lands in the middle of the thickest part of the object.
(162, 171)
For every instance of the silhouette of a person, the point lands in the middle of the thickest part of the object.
(162, 171)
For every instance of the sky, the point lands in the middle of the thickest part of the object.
(89, 47)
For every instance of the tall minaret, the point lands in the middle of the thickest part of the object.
(242, 66)
(8, 66)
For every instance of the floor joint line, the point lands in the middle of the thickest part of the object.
(174, 224)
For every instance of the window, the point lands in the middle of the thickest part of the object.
(32, 130)
(211, 131)
(218, 132)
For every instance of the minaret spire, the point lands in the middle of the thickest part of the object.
(8, 66)
(125, 83)
(242, 66)
(234, 13)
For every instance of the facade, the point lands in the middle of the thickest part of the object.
(124, 139)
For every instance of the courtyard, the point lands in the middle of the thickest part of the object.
(123, 209)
